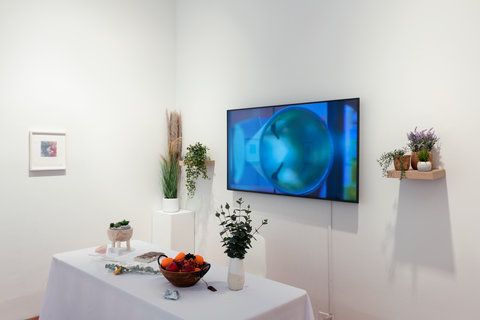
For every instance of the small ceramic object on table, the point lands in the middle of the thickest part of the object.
(117, 236)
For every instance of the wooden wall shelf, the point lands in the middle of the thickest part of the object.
(210, 163)
(418, 175)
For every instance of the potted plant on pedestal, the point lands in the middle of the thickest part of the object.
(400, 160)
(421, 140)
(170, 179)
(195, 166)
(170, 166)
(237, 235)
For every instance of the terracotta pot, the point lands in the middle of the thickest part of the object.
(398, 165)
(415, 159)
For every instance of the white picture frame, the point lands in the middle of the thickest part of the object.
(47, 151)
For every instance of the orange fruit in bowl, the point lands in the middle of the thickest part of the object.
(199, 259)
(180, 256)
(166, 261)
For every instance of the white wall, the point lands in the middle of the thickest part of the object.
(409, 250)
(102, 71)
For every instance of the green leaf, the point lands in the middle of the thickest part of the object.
(238, 224)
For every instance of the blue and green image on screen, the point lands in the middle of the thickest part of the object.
(305, 149)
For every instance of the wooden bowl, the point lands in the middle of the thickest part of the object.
(184, 279)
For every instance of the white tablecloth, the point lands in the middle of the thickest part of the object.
(79, 287)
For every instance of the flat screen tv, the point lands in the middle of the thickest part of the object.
(304, 149)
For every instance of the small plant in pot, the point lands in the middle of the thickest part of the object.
(237, 235)
(421, 140)
(195, 166)
(400, 160)
(424, 163)
(120, 232)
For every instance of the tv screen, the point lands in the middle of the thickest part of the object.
(304, 149)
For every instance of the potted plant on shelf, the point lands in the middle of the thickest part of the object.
(400, 160)
(424, 163)
(237, 235)
(421, 140)
(195, 165)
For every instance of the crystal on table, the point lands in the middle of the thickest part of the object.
(171, 294)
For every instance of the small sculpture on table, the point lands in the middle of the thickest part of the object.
(120, 232)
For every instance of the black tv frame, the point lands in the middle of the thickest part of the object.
(298, 196)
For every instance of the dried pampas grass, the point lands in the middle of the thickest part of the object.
(174, 131)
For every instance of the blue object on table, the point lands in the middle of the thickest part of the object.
(171, 294)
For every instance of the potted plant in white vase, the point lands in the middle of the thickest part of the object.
(170, 163)
(424, 163)
(170, 179)
(237, 235)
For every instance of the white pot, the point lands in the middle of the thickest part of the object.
(424, 166)
(236, 274)
(170, 205)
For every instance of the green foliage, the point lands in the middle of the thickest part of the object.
(386, 159)
(237, 233)
(195, 166)
(171, 170)
(423, 155)
(170, 176)
(119, 224)
(419, 140)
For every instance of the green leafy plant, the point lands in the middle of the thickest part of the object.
(419, 140)
(170, 172)
(119, 224)
(237, 233)
(387, 158)
(423, 155)
(195, 166)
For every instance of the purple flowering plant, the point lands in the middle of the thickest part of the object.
(422, 140)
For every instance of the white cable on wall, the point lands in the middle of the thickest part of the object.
(330, 262)
(329, 315)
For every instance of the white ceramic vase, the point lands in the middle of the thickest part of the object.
(170, 205)
(424, 166)
(236, 274)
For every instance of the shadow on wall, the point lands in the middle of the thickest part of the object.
(345, 217)
(202, 204)
(47, 173)
(422, 232)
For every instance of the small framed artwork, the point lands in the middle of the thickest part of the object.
(47, 151)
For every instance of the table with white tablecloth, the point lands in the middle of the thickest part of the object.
(80, 287)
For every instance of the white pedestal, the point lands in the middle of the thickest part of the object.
(174, 231)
